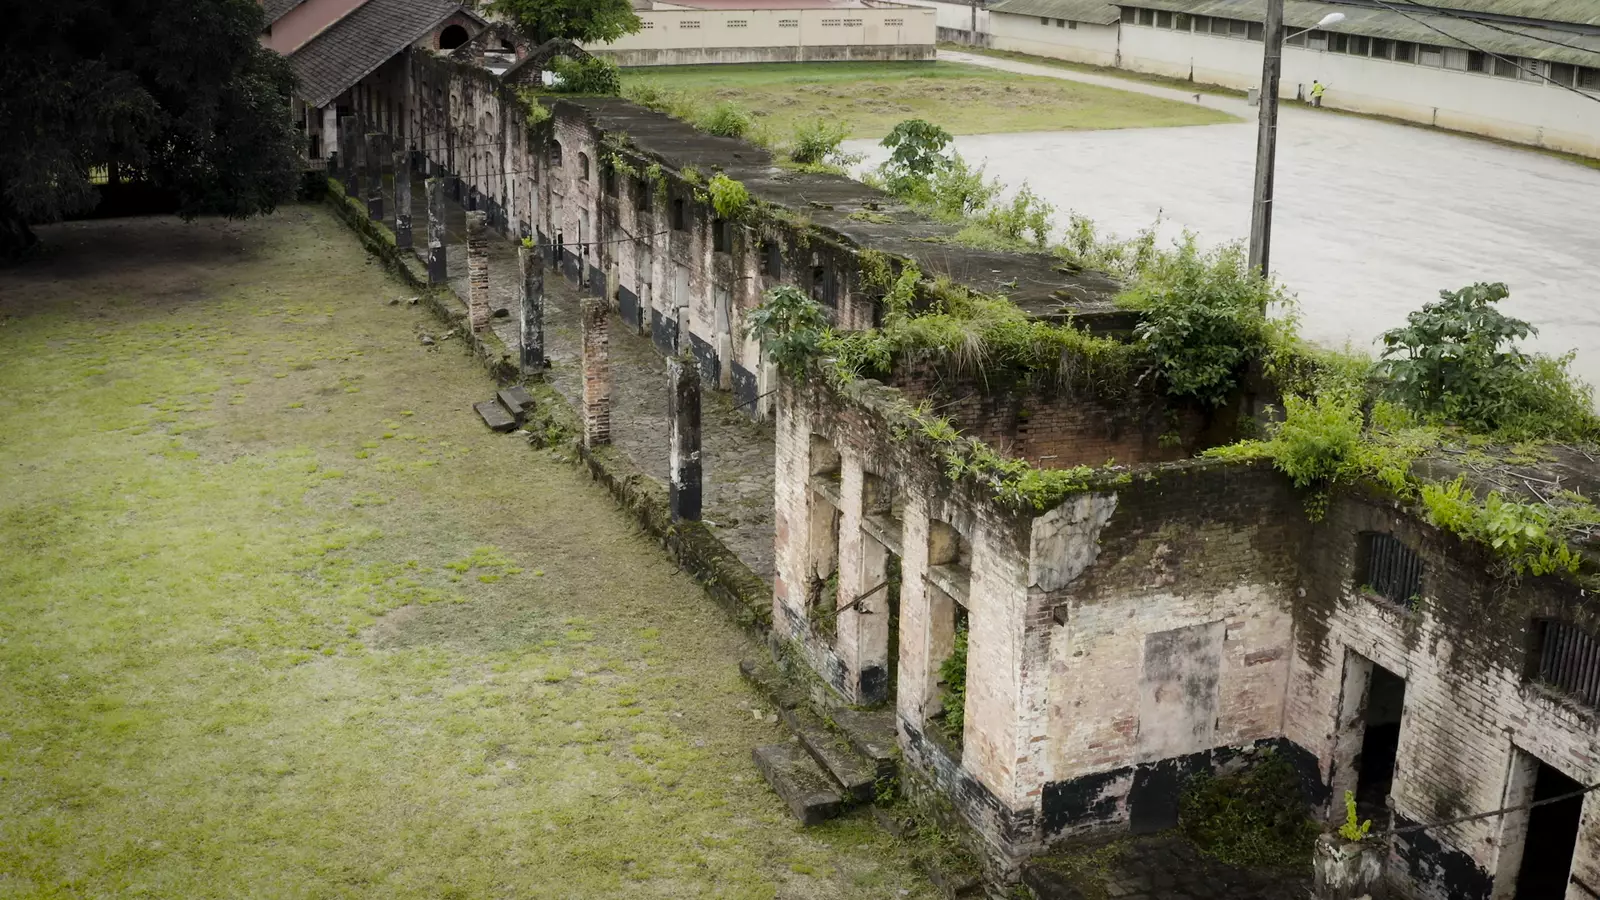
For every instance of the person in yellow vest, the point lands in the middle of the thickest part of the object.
(1317, 90)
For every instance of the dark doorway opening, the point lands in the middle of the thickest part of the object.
(1552, 835)
(1386, 700)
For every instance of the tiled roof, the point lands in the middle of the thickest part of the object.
(277, 9)
(333, 61)
(1091, 11)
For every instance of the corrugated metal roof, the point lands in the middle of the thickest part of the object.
(1298, 14)
(1584, 12)
(1092, 11)
(333, 61)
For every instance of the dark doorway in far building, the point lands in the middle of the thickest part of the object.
(1386, 700)
(1552, 835)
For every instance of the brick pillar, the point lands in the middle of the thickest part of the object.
(683, 438)
(477, 271)
(532, 309)
(349, 164)
(374, 179)
(436, 246)
(596, 373)
(402, 199)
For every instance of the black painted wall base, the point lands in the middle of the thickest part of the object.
(1153, 789)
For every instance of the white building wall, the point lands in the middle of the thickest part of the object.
(1077, 41)
(680, 37)
(1521, 111)
(954, 16)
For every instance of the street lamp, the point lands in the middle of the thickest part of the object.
(1267, 138)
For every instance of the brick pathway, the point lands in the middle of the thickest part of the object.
(736, 453)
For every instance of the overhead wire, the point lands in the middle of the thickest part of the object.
(1455, 14)
(1508, 61)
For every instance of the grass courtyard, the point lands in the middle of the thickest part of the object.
(280, 618)
(872, 97)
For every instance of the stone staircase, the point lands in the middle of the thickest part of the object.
(507, 410)
(840, 758)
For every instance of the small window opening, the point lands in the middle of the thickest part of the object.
(583, 167)
(1567, 658)
(452, 37)
(555, 154)
(771, 259)
(679, 221)
(721, 236)
(641, 194)
(1392, 570)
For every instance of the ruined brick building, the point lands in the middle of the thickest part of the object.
(1168, 616)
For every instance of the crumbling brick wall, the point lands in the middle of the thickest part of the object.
(1470, 705)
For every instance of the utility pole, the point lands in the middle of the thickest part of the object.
(973, 34)
(1267, 139)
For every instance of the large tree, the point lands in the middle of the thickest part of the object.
(584, 21)
(178, 94)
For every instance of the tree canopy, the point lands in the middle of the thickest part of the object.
(584, 21)
(178, 94)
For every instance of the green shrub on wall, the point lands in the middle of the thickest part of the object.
(586, 76)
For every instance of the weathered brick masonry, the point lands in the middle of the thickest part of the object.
(1173, 616)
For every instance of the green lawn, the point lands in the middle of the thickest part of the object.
(964, 99)
(280, 618)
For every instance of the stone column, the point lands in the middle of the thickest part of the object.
(374, 180)
(532, 309)
(402, 199)
(330, 133)
(477, 271)
(683, 438)
(436, 247)
(349, 166)
(596, 373)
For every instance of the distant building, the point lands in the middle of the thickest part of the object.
(1520, 70)
(691, 32)
(335, 46)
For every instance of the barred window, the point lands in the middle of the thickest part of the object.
(1567, 658)
(1147, 17)
(1405, 51)
(1589, 79)
(1130, 15)
(1163, 19)
(1393, 570)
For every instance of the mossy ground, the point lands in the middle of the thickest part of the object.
(280, 618)
(871, 98)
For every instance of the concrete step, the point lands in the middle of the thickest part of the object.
(770, 683)
(870, 733)
(797, 778)
(856, 774)
(516, 400)
(495, 416)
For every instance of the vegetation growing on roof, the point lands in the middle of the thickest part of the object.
(1456, 360)
(728, 197)
(593, 76)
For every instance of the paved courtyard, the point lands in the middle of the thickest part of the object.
(1373, 218)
